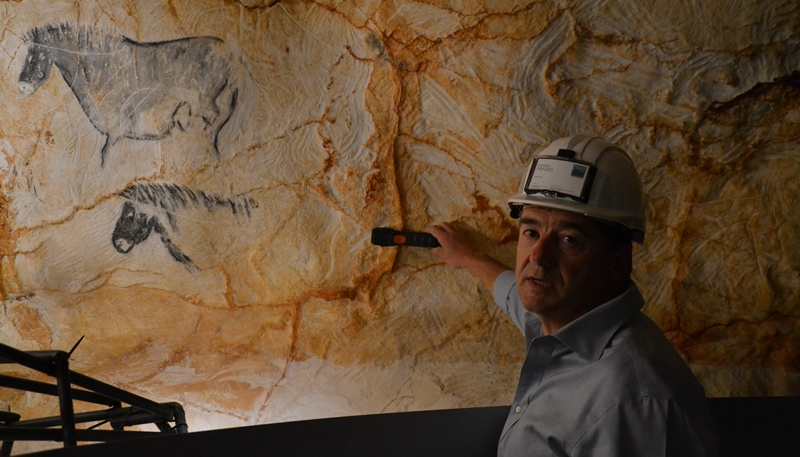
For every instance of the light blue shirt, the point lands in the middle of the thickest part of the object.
(607, 384)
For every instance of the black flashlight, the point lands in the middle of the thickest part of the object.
(383, 236)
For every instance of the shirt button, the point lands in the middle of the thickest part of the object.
(519, 409)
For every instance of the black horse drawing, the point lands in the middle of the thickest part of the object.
(141, 91)
(152, 207)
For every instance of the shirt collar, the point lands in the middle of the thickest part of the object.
(589, 334)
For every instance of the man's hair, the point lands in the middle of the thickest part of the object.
(616, 235)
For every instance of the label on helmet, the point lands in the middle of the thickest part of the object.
(562, 177)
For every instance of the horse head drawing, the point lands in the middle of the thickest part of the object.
(155, 207)
(38, 64)
(141, 91)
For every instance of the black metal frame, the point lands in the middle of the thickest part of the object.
(56, 364)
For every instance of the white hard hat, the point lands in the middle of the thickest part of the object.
(585, 175)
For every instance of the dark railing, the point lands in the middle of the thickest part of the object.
(56, 364)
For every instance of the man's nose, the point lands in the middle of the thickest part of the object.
(542, 253)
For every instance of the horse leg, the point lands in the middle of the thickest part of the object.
(104, 151)
(230, 109)
(108, 144)
(174, 251)
(212, 136)
(182, 115)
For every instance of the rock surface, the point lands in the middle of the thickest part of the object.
(209, 235)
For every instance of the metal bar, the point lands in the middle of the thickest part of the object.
(120, 415)
(51, 389)
(54, 434)
(134, 418)
(30, 434)
(31, 361)
(41, 355)
(7, 418)
(65, 399)
(36, 363)
(56, 364)
(180, 418)
(121, 395)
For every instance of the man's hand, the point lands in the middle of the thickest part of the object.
(457, 251)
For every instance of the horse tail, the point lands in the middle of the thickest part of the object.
(238, 129)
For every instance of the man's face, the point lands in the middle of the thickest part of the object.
(565, 265)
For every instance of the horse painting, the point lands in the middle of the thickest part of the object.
(153, 207)
(140, 91)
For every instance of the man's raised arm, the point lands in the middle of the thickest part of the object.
(458, 252)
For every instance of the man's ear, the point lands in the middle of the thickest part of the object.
(621, 263)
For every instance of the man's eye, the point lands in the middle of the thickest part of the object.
(530, 233)
(569, 239)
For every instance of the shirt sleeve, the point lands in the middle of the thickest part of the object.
(507, 298)
(646, 427)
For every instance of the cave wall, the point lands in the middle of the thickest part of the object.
(193, 185)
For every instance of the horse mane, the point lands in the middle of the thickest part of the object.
(171, 197)
(69, 36)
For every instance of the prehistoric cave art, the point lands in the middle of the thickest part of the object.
(153, 207)
(140, 91)
(144, 91)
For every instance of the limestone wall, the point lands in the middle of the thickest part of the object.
(191, 184)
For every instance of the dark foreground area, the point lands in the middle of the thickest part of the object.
(747, 427)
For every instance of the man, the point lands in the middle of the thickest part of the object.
(599, 377)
